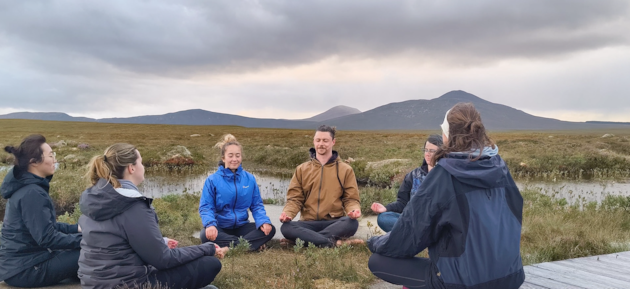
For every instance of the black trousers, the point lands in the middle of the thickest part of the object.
(255, 237)
(411, 273)
(196, 274)
(320, 233)
(64, 265)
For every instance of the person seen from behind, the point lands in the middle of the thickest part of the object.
(467, 212)
(122, 244)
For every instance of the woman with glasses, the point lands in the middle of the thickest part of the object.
(388, 215)
(468, 213)
(36, 250)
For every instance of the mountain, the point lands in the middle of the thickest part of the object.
(428, 115)
(56, 116)
(335, 112)
(204, 117)
(421, 114)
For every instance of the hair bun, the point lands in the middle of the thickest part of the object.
(9, 149)
(228, 138)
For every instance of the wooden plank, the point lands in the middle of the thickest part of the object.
(603, 259)
(546, 282)
(620, 274)
(620, 258)
(577, 281)
(531, 286)
(596, 265)
(604, 281)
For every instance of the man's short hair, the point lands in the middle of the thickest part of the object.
(330, 129)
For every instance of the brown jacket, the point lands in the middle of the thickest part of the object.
(316, 192)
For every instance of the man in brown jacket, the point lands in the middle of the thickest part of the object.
(324, 190)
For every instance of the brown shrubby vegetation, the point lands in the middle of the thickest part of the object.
(552, 228)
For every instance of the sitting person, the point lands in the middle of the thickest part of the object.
(36, 250)
(468, 213)
(324, 191)
(388, 215)
(122, 245)
(226, 197)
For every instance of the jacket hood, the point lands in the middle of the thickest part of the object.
(332, 159)
(485, 172)
(12, 183)
(103, 202)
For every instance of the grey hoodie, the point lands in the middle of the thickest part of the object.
(122, 243)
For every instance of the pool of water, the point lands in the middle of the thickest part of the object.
(155, 186)
(274, 187)
(579, 192)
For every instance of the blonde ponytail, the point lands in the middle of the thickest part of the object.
(111, 164)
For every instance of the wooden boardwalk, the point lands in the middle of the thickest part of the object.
(604, 271)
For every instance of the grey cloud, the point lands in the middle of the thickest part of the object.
(179, 38)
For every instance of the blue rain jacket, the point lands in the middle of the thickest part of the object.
(469, 215)
(226, 197)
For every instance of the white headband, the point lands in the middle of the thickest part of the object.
(444, 125)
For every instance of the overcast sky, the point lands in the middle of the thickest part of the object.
(566, 59)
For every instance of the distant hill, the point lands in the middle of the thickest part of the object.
(608, 122)
(56, 116)
(421, 114)
(335, 112)
(204, 117)
(428, 115)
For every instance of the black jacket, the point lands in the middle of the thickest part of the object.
(122, 243)
(30, 232)
(409, 187)
(469, 215)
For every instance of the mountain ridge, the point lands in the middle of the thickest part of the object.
(418, 114)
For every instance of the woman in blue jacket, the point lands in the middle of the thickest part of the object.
(36, 250)
(468, 213)
(226, 197)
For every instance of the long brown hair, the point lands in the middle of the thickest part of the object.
(466, 132)
(112, 163)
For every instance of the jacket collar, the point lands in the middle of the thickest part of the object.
(16, 179)
(332, 159)
(229, 174)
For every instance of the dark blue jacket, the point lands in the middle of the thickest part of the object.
(30, 232)
(469, 215)
(227, 195)
(409, 187)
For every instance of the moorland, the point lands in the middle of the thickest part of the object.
(553, 229)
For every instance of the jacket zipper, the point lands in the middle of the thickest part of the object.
(321, 180)
(235, 200)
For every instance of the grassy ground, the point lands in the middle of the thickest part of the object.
(552, 230)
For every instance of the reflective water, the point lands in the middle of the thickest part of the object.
(579, 192)
(273, 187)
(155, 186)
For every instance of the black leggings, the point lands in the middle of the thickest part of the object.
(195, 274)
(255, 237)
(64, 265)
(411, 273)
(320, 233)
